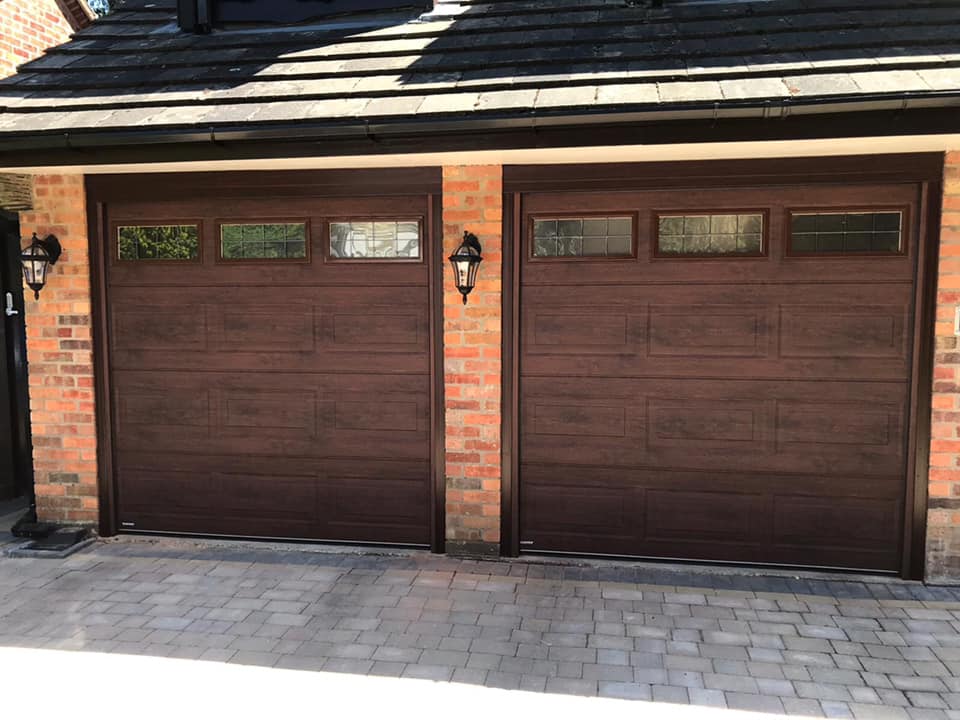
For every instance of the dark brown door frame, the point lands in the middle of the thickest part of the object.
(924, 169)
(100, 190)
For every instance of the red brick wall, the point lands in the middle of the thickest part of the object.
(59, 352)
(472, 200)
(27, 28)
(943, 517)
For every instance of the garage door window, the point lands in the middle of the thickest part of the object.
(158, 242)
(587, 237)
(727, 234)
(263, 241)
(838, 233)
(375, 240)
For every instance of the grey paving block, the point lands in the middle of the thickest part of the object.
(450, 658)
(926, 700)
(918, 684)
(836, 709)
(708, 698)
(878, 712)
(730, 683)
(802, 706)
(246, 657)
(823, 691)
(396, 655)
(754, 703)
(670, 694)
(779, 688)
(470, 676)
(572, 686)
(429, 672)
(625, 690)
(254, 644)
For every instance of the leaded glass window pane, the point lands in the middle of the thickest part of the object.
(846, 232)
(263, 241)
(706, 235)
(375, 240)
(583, 237)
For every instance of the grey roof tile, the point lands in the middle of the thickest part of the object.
(941, 78)
(519, 99)
(820, 85)
(672, 92)
(456, 103)
(554, 97)
(753, 88)
(883, 81)
(136, 69)
(624, 94)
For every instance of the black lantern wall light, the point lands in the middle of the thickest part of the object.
(466, 261)
(36, 259)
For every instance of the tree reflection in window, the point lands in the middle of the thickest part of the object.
(158, 242)
(261, 241)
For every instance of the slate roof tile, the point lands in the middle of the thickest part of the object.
(583, 96)
(136, 69)
(887, 80)
(673, 92)
(752, 88)
(820, 85)
(628, 94)
(941, 78)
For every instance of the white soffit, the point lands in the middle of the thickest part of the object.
(544, 156)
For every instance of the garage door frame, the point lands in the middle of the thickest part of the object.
(101, 190)
(924, 169)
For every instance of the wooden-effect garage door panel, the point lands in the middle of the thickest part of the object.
(272, 398)
(743, 425)
(835, 331)
(295, 497)
(335, 330)
(275, 413)
(763, 518)
(748, 409)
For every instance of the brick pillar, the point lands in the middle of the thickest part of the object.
(943, 515)
(472, 200)
(59, 353)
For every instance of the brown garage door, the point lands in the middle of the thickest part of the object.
(718, 374)
(270, 365)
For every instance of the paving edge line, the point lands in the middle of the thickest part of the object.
(186, 543)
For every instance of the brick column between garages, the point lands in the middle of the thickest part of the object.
(59, 353)
(472, 200)
(943, 514)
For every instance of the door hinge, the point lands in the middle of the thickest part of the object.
(10, 310)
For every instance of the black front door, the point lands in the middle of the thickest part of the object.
(15, 455)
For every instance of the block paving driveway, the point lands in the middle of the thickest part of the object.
(778, 644)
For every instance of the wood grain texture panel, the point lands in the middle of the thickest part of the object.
(272, 399)
(735, 409)
(707, 331)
